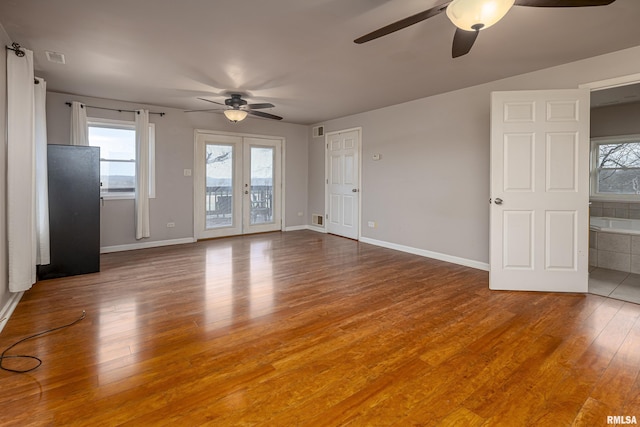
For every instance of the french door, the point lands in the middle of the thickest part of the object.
(237, 185)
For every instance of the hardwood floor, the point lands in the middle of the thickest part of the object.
(306, 329)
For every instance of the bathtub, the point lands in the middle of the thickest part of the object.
(614, 243)
(615, 225)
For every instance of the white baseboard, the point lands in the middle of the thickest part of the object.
(306, 227)
(7, 310)
(428, 254)
(145, 245)
(422, 252)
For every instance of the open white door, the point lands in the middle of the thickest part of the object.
(540, 190)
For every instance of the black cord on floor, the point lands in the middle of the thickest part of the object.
(23, 356)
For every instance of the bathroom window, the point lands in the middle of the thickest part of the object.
(615, 167)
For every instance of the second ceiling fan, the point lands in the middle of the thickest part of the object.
(471, 16)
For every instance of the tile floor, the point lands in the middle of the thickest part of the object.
(615, 284)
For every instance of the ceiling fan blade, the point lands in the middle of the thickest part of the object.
(203, 111)
(403, 23)
(562, 3)
(260, 106)
(208, 100)
(463, 42)
(265, 115)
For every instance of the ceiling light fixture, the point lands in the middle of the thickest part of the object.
(476, 15)
(235, 115)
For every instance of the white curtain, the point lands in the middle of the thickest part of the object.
(21, 215)
(79, 127)
(142, 174)
(42, 182)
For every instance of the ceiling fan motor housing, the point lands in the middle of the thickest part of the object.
(235, 101)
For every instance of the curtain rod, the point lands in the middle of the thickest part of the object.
(20, 53)
(16, 48)
(116, 109)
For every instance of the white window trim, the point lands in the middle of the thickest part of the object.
(126, 124)
(593, 195)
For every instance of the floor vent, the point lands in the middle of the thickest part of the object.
(318, 131)
(317, 219)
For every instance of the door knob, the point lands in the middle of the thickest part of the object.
(354, 190)
(498, 201)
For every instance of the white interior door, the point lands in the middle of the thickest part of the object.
(237, 185)
(343, 183)
(539, 190)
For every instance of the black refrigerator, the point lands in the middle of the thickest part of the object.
(74, 211)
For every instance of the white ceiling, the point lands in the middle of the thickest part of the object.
(296, 54)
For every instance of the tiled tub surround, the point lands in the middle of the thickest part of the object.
(629, 210)
(614, 251)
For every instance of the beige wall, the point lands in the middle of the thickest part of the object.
(174, 153)
(4, 279)
(613, 120)
(430, 190)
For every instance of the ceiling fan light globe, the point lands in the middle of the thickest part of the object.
(235, 115)
(472, 15)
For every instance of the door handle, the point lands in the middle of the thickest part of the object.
(498, 201)
(354, 190)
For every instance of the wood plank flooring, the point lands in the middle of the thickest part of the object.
(306, 329)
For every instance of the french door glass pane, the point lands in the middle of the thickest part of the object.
(261, 209)
(219, 186)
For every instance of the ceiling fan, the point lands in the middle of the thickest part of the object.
(471, 16)
(237, 108)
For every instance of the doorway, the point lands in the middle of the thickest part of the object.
(525, 255)
(237, 184)
(613, 269)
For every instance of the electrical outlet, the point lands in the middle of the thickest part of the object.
(371, 224)
(187, 172)
(171, 224)
(300, 213)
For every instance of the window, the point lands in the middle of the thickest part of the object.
(615, 167)
(117, 142)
